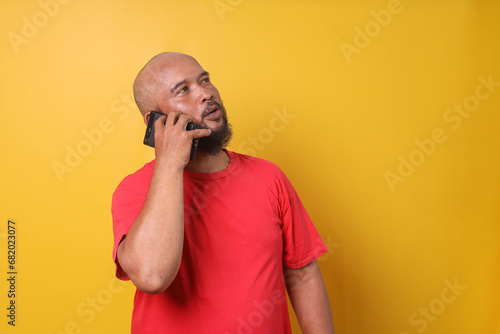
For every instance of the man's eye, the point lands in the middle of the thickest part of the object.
(183, 89)
(206, 80)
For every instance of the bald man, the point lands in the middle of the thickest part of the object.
(212, 244)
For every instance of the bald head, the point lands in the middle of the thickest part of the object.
(151, 79)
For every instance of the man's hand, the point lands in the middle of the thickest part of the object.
(173, 142)
(309, 299)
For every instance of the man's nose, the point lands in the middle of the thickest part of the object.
(204, 94)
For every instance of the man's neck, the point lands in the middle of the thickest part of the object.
(205, 163)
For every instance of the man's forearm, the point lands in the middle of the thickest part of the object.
(151, 252)
(309, 299)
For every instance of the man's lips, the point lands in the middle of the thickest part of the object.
(212, 111)
(214, 114)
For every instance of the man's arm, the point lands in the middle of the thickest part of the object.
(151, 252)
(309, 299)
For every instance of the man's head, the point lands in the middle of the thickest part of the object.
(176, 82)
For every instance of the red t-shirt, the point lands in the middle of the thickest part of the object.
(242, 225)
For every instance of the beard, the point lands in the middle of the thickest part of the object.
(219, 137)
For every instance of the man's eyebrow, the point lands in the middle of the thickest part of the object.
(180, 83)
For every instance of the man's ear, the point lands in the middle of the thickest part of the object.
(146, 117)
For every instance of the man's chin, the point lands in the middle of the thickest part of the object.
(218, 139)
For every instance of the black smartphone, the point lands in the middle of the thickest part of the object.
(149, 138)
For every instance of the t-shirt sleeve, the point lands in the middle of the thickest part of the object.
(128, 200)
(301, 241)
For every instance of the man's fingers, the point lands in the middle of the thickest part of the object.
(176, 118)
(182, 120)
(179, 121)
(197, 133)
(159, 123)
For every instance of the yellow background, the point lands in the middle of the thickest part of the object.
(394, 246)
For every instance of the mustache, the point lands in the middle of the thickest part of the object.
(209, 108)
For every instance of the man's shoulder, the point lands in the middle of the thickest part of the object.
(262, 167)
(256, 162)
(137, 180)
